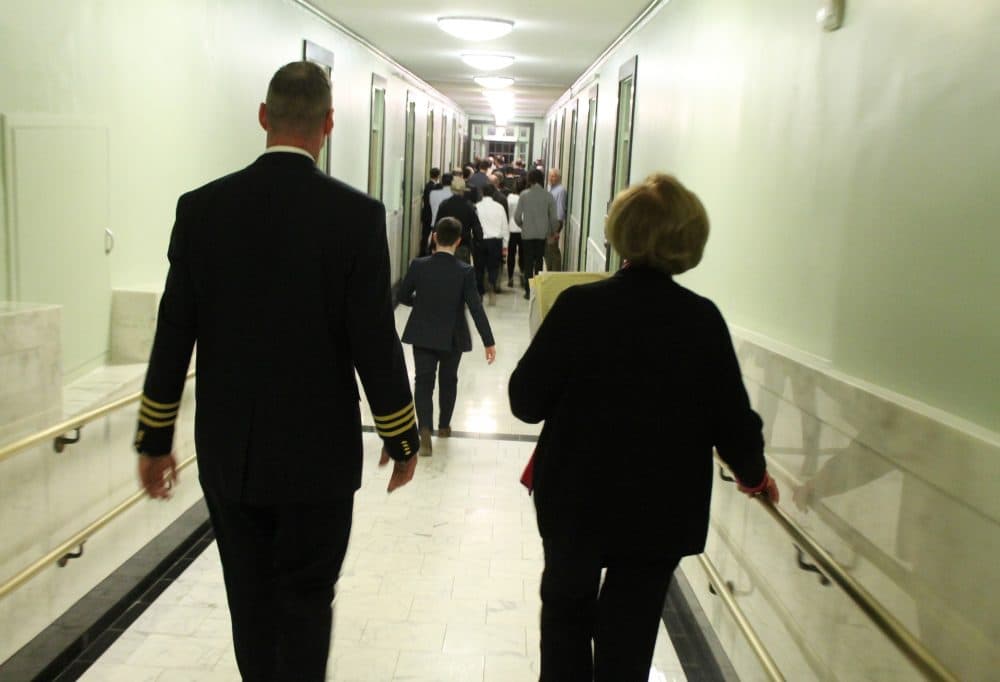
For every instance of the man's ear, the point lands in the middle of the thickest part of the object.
(328, 122)
(262, 115)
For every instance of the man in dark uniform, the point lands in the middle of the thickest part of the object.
(281, 275)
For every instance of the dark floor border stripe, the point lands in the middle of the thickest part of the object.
(476, 435)
(698, 649)
(89, 627)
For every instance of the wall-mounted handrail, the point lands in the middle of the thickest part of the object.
(11, 449)
(759, 650)
(30, 571)
(907, 643)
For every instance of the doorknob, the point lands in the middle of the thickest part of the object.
(109, 240)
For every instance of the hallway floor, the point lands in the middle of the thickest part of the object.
(441, 578)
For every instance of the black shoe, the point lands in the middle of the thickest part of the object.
(510, 282)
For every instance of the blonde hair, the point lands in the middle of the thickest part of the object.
(659, 223)
(458, 184)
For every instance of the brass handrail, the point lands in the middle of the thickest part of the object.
(29, 572)
(8, 451)
(907, 643)
(759, 650)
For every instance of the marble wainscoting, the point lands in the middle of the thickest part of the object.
(30, 368)
(133, 324)
(904, 497)
(48, 496)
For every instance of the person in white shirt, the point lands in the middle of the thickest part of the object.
(494, 220)
(514, 249)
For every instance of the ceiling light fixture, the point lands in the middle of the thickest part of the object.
(471, 28)
(494, 82)
(488, 62)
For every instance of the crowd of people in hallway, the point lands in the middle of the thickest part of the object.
(508, 216)
(282, 325)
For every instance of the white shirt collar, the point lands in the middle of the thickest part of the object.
(288, 148)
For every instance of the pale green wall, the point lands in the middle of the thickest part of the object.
(178, 85)
(850, 178)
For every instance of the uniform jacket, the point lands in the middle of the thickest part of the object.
(439, 288)
(281, 275)
(636, 380)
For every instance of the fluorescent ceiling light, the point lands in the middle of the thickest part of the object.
(469, 28)
(494, 82)
(487, 62)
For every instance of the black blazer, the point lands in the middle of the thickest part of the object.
(439, 287)
(281, 275)
(636, 380)
(462, 209)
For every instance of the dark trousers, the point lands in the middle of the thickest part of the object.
(621, 616)
(534, 259)
(489, 254)
(425, 363)
(280, 564)
(514, 250)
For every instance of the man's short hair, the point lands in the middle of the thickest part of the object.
(556, 172)
(446, 180)
(467, 172)
(447, 231)
(659, 223)
(484, 165)
(458, 185)
(298, 98)
(536, 177)
(435, 172)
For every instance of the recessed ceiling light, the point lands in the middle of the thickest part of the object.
(487, 62)
(494, 82)
(469, 28)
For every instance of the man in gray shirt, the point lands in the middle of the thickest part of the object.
(536, 214)
(553, 258)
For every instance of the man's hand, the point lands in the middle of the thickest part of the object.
(768, 487)
(158, 475)
(491, 354)
(402, 472)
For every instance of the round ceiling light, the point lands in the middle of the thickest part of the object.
(488, 62)
(470, 28)
(494, 82)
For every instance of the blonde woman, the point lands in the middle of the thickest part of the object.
(636, 380)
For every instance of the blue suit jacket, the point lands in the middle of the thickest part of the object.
(439, 287)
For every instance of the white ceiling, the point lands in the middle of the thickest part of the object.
(553, 43)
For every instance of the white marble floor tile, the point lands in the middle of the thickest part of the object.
(441, 578)
(415, 666)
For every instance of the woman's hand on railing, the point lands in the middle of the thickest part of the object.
(158, 475)
(766, 487)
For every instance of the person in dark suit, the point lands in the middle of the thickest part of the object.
(425, 210)
(636, 380)
(439, 288)
(280, 273)
(459, 206)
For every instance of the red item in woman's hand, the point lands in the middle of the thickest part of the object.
(528, 475)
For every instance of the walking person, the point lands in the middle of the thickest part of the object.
(632, 497)
(553, 256)
(426, 216)
(493, 217)
(536, 216)
(280, 273)
(439, 288)
(515, 253)
(460, 207)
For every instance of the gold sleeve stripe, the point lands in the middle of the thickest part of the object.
(391, 417)
(398, 422)
(160, 406)
(157, 414)
(154, 423)
(401, 430)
